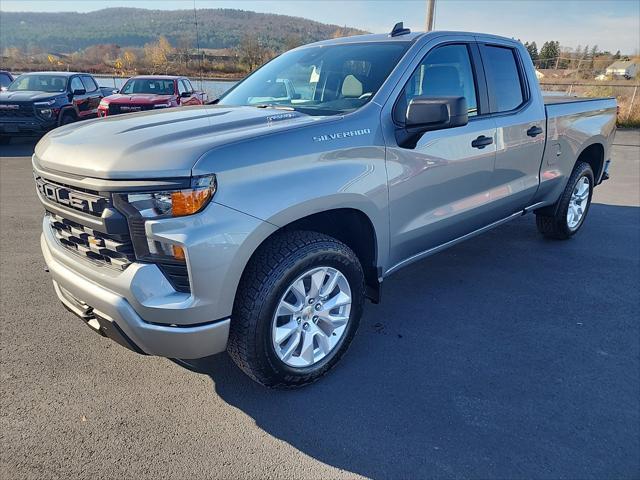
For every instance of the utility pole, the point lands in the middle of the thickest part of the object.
(431, 10)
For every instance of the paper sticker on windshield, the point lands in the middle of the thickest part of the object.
(339, 135)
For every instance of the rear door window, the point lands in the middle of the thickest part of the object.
(504, 78)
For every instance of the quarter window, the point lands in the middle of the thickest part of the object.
(444, 72)
(503, 78)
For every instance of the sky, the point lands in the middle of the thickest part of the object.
(610, 24)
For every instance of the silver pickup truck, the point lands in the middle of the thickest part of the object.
(260, 224)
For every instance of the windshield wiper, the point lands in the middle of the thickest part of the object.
(278, 107)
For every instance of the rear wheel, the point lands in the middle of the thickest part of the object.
(572, 207)
(297, 309)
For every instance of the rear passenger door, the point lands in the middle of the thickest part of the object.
(520, 127)
(440, 190)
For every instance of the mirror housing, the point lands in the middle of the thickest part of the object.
(79, 91)
(185, 94)
(425, 114)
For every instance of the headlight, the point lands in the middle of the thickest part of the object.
(142, 206)
(45, 112)
(104, 103)
(175, 203)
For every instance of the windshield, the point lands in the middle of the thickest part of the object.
(323, 80)
(148, 85)
(39, 83)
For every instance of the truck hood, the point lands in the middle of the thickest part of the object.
(138, 99)
(156, 144)
(27, 96)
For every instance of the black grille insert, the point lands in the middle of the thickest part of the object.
(177, 275)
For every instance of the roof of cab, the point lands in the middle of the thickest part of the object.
(403, 38)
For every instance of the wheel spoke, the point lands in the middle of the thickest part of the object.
(291, 346)
(299, 291)
(334, 321)
(338, 300)
(286, 309)
(285, 331)
(306, 353)
(323, 341)
(317, 280)
(331, 283)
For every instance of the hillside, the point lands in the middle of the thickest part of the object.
(217, 28)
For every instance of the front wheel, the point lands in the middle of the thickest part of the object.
(572, 207)
(297, 309)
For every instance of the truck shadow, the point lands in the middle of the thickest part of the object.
(477, 364)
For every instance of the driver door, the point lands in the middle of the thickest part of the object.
(440, 190)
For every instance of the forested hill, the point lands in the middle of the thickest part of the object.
(217, 28)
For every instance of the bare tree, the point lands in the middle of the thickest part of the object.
(252, 53)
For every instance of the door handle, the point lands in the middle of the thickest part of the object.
(481, 142)
(534, 131)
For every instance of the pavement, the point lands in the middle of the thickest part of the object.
(507, 356)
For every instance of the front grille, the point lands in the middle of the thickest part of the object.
(16, 110)
(115, 109)
(107, 249)
(104, 247)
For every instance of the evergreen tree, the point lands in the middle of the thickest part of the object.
(532, 48)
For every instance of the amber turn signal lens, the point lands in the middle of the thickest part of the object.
(187, 202)
(178, 252)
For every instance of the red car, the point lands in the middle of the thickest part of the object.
(149, 92)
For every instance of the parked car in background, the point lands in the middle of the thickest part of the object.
(35, 103)
(5, 80)
(149, 92)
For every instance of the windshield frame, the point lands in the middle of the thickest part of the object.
(316, 111)
(39, 74)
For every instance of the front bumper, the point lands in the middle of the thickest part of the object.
(139, 308)
(90, 301)
(26, 127)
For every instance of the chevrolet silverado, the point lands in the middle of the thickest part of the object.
(260, 224)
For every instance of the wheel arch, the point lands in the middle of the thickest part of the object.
(593, 154)
(349, 225)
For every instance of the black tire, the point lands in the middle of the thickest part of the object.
(271, 271)
(67, 118)
(556, 226)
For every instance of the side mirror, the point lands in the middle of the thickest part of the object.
(426, 114)
(115, 90)
(79, 91)
(185, 94)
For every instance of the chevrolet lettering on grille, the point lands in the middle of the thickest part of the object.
(62, 195)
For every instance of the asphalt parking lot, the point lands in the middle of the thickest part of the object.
(508, 356)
